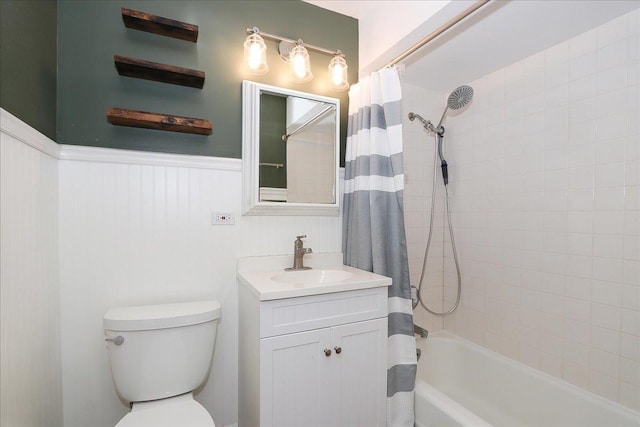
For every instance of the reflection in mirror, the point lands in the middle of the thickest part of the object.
(295, 149)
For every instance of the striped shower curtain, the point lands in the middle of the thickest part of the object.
(373, 223)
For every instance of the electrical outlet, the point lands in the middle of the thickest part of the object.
(222, 218)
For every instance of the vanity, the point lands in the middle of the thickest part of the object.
(312, 343)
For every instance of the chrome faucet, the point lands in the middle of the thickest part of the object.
(299, 251)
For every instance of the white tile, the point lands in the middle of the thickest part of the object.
(631, 248)
(609, 199)
(633, 48)
(608, 246)
(581, 155)
(580, 200)
(603, 385)
(630, 347)
(581, 177)
(578, 287)
(578, 310)
(551, 364)
(631, 272)
(579, 266)
(583, 66)
(632, 199)
(553, 284)
(606, 293)
(551, 344)
(610, 175)
(612, 103)
(557, 96)
(607, 269)
(629, 395)
(613, 30)
(613, 55)
(610, 80)
(580, 244)
(631, 296)
(631, 221)
(575, 352)
(577, 331)
(608, 222)
(555, 245)
(605, 339)
(558, 73)
(584, 87)
(630, 371)
(606, 316)
(604, 362)
(583, 43)
(557, 53)
(630, 322)
(634, 22)
(611, 151)
(632, 173)
(575, 374)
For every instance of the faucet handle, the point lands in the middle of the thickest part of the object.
(304, 236)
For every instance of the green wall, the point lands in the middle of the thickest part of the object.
(91, 32)
(28, 62)
(273, 120)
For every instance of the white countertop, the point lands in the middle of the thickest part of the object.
(266, 278)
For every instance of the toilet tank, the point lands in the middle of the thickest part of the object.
(167, 349)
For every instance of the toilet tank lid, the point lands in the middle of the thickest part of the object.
(161, 316)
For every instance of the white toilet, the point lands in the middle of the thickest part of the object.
(159, 354)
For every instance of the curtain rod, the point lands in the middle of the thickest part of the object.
(286, 137)
(439, 31)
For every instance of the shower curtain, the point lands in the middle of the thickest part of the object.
(373, 222)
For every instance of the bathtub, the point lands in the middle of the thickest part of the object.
(463, 384)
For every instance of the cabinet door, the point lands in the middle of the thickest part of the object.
(295, 380)
(359, 374)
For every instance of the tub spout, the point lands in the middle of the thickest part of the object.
(420, 331)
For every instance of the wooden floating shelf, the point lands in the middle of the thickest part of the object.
(159, 121)
(141, 69)
(142, 21)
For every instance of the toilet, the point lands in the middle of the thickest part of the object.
(160, 354)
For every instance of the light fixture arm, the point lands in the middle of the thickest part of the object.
(293, 41)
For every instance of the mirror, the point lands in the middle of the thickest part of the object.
(290, 152)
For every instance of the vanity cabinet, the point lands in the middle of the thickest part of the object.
(318, 360)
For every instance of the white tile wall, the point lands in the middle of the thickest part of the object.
(132, 232)
(544, 188)
(30, 366)
(418, 166)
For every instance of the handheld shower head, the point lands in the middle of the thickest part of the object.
(460, 97)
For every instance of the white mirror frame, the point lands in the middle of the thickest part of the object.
(251, 204)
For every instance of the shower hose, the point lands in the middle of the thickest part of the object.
(419, 299)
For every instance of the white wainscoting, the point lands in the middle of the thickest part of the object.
(31, 384)
(135, 228)
(85, 229)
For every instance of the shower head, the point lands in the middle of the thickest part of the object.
(460, 97)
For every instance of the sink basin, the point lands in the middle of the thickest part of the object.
(266, 278)
(312, 277)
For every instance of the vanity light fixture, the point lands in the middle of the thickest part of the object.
(299, 64)
(296, 53)
(338, 72)
(255, 53)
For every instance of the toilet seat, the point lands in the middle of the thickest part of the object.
(176, 411)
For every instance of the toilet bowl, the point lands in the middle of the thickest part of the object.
(181, 411)
(159, 354)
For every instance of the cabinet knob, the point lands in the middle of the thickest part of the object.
(338, 350)
(327, 352)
